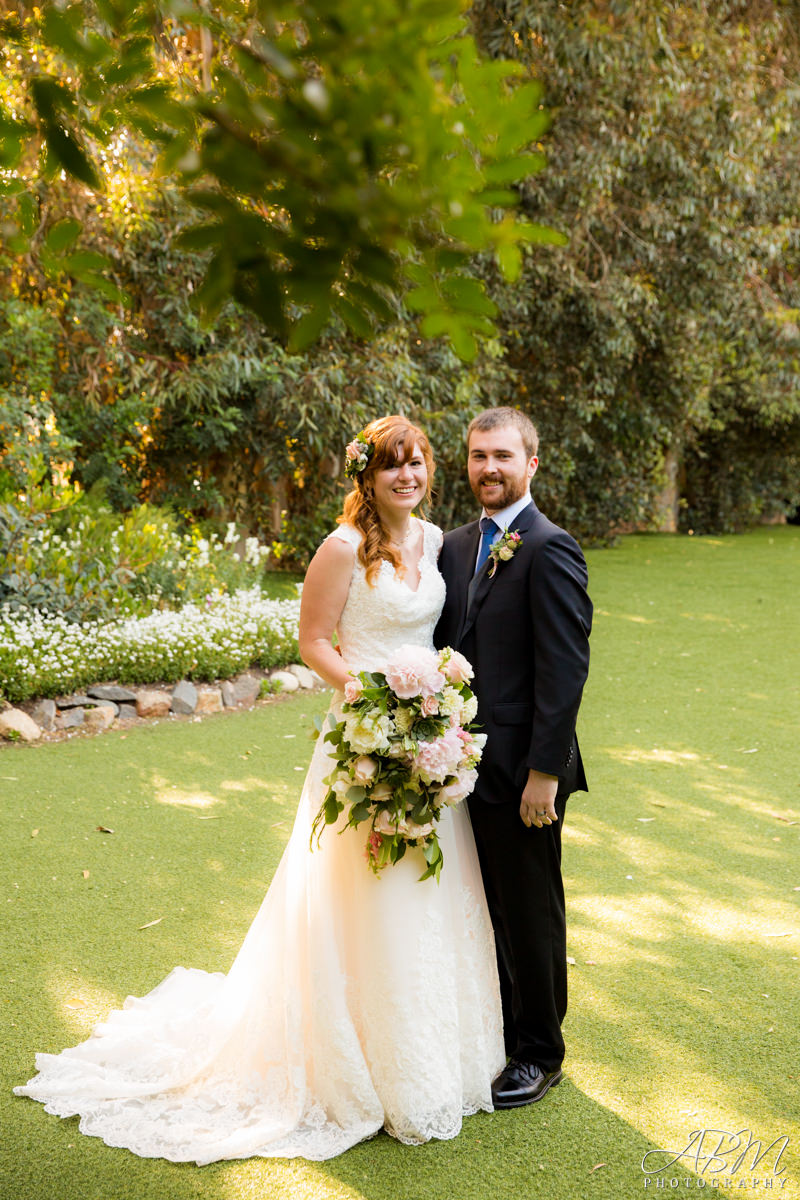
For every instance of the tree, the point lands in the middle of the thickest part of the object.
(662, 345)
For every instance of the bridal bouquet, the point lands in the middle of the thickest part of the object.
(404, 749)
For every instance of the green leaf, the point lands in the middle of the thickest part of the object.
(353, 317)
(544, 235)
(61, 235)
(509, 256)
(260, 290)
(510, 170)
(497, 198)
(202, 237)
(463, 342)
(308, 328)
(27, 214)
(216, 286)
(11, 187)
(64, 147)
(85, 260)
(468, 294)
(50, 97)
(360, 812)
(105, 286)
(332, 809)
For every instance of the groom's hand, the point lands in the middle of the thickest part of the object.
(538, 805)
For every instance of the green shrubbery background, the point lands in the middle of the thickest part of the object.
(658, 349)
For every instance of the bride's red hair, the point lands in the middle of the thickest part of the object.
(393, 439)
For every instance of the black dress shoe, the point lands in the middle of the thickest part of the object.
(522, 1083)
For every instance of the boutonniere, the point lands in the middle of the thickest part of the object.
(503, 549)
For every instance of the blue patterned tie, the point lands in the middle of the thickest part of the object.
(488, 531)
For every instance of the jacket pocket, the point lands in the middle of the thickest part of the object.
(512, 713)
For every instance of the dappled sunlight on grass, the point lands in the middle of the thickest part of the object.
(636, 754)
(174, 795)
(636, 618)
(79, 1001)
(717, 618)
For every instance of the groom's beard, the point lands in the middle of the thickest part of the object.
(509, 492)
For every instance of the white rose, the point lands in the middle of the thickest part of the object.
(364, 734)
(413, 830)
(365, 769)
(387, 824)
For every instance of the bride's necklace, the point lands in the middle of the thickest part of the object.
(399, 544)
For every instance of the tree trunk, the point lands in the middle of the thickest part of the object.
(667, 500)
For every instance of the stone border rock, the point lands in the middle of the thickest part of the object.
(108, 705)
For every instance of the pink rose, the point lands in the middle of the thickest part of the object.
(429, 706)
(352, 690)
(381, 793)
(457, 669)
(414, 671)
(353, 449)
(462, 785)
(436, 760)
(365, 769)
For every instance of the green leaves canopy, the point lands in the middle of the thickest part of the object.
(338, 150)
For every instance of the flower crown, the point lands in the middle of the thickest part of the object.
(357, 455)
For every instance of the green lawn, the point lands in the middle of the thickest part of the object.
(682, 873)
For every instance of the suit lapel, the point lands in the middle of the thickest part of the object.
(482, 581)
(465, 569)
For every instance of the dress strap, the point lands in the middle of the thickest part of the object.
(347, 533)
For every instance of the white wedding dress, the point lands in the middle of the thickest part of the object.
(355, 1003)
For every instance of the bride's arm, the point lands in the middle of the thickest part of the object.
(325, 589)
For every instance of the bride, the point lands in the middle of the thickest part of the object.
(356, 1002)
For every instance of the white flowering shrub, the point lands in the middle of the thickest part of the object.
(87, 562)
(47, 655)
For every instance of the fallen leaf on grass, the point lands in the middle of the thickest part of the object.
(85, 874)
(207, 818)
(570, 960)
(706, 990)
(149, 923)
(35, 833)
(75, 1002)
(597, 1167)
(642, 819)
(103, 829)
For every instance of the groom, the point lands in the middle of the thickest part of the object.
(517, 608)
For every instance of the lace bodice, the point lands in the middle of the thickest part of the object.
(379, 618)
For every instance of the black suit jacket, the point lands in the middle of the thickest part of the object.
(526, 633)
